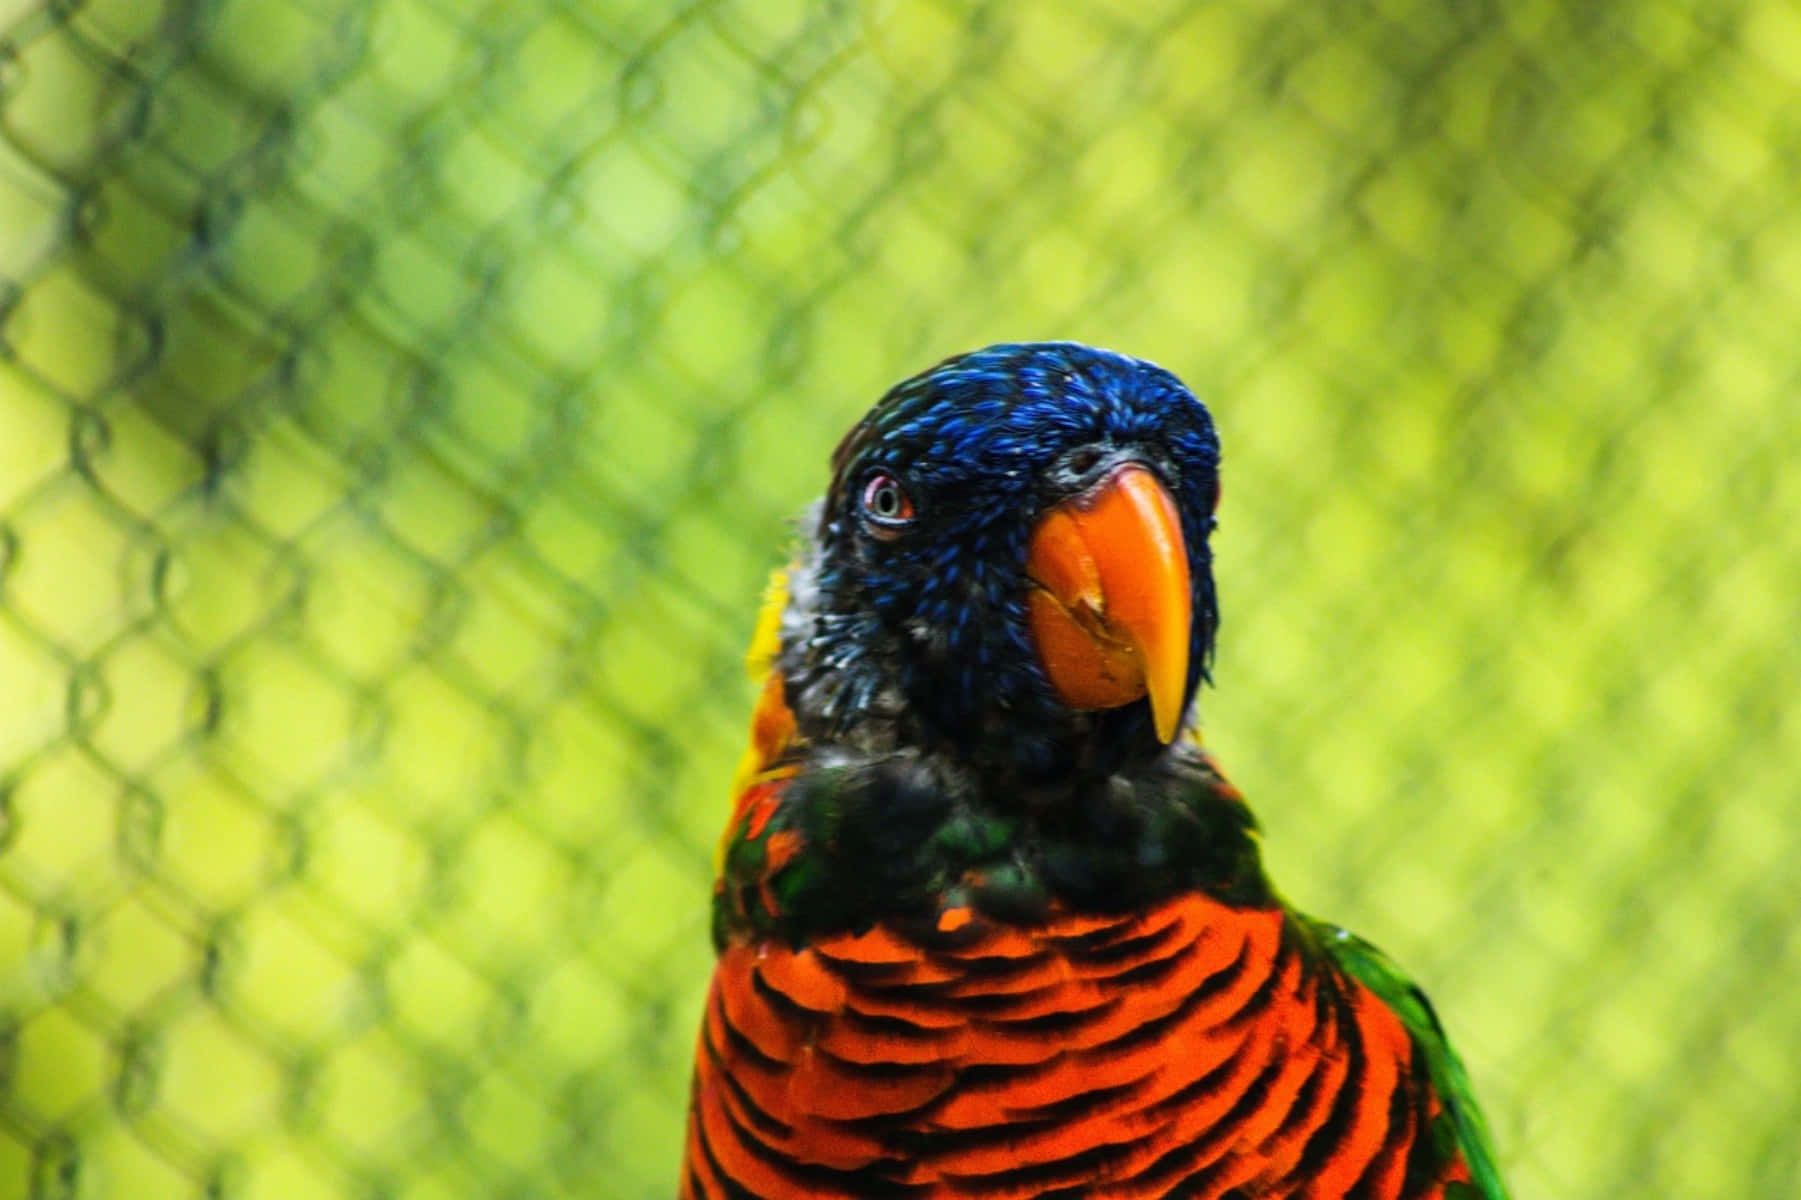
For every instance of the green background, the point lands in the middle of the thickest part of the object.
(401, 403)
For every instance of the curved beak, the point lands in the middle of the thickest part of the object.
(1109, 604)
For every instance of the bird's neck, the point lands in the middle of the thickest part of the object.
(828, 840)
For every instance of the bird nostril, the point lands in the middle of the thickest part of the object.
(1085, 459)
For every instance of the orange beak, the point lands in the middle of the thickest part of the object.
(1109, 602)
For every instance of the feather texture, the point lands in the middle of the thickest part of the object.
(1195, 1049)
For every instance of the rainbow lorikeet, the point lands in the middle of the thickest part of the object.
(987, 925)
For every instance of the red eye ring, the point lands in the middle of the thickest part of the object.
(885, 503)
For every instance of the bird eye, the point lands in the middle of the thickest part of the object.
(886, 504)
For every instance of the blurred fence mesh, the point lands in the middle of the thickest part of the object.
(401, 400)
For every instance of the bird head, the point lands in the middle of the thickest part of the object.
(1011, 565)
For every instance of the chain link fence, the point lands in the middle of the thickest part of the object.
(402, 400)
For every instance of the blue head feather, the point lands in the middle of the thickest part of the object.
(918, 637)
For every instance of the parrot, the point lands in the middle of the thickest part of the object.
(989, 919)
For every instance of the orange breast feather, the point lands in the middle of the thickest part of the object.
(1193, 1050)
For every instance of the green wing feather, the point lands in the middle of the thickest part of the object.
(1370, 967)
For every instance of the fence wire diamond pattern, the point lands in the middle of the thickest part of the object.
(401, 401)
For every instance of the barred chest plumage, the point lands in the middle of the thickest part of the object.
(1194, 1050)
